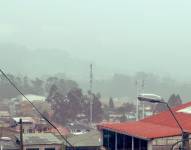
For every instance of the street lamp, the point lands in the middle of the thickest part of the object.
(152, 98)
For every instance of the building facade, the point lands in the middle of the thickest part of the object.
(157, 132)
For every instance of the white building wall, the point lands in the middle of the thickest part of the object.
(150, 147)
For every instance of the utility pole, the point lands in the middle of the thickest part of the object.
(21, 134)
(140, 84)
(142, 90)
(137, 102)
(91, 96)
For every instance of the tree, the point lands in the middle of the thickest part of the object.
(60, 106)
(64, 86)
(123, 118)
(37, 85)
(75, 98)
(174, 100)
(26, 85)
(178, 100)
(52, 92)
(97, 111)
(111, 103)
(65, 107)
(126, 107)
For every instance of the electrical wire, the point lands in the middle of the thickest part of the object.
(36, 109)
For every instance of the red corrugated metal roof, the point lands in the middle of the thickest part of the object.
(142, 129)
(157, 126)
(165, 118)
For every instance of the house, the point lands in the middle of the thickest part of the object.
(8, 139)
(88, 141)
(33, 125)
(41, 126)
(28, 124)
(19, 106)
(41, 141)
(8, 144)
(8, 132)
(6, 119)
(156, 132)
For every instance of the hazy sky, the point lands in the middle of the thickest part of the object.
(126, 35)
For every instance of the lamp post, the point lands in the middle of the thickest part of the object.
(152, 98)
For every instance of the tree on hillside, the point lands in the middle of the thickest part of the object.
(174, 100)
(111, 103)
(65, 106)
(75, 98)
(64, 86)
(37, 86)
(26, 86)
(179, 100)
(60, 107)
(126, 107)
(97, 111)
(52, 92)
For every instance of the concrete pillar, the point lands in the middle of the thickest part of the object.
(132, 144)
(139, 144)
(108, 139)
(115, 141)
(101, 137)
(149, 145)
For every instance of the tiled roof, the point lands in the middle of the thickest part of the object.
(157, 126)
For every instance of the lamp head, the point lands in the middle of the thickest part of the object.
(152, 98)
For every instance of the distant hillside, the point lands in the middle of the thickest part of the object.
(20, 60)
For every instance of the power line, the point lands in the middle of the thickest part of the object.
(36, 108)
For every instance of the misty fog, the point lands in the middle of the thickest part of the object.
(43, 38)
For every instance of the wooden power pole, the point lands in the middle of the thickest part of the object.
(21, 134)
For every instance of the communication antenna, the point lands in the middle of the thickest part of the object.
(137, 102)
(91, 77)
(91, 94)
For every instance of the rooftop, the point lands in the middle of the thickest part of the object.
(4, 114)
(40, 138)
(31, 97)
(156, 126)
(9, 145)
(24, 119)
(83, 140)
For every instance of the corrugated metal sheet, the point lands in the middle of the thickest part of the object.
(157, 126)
